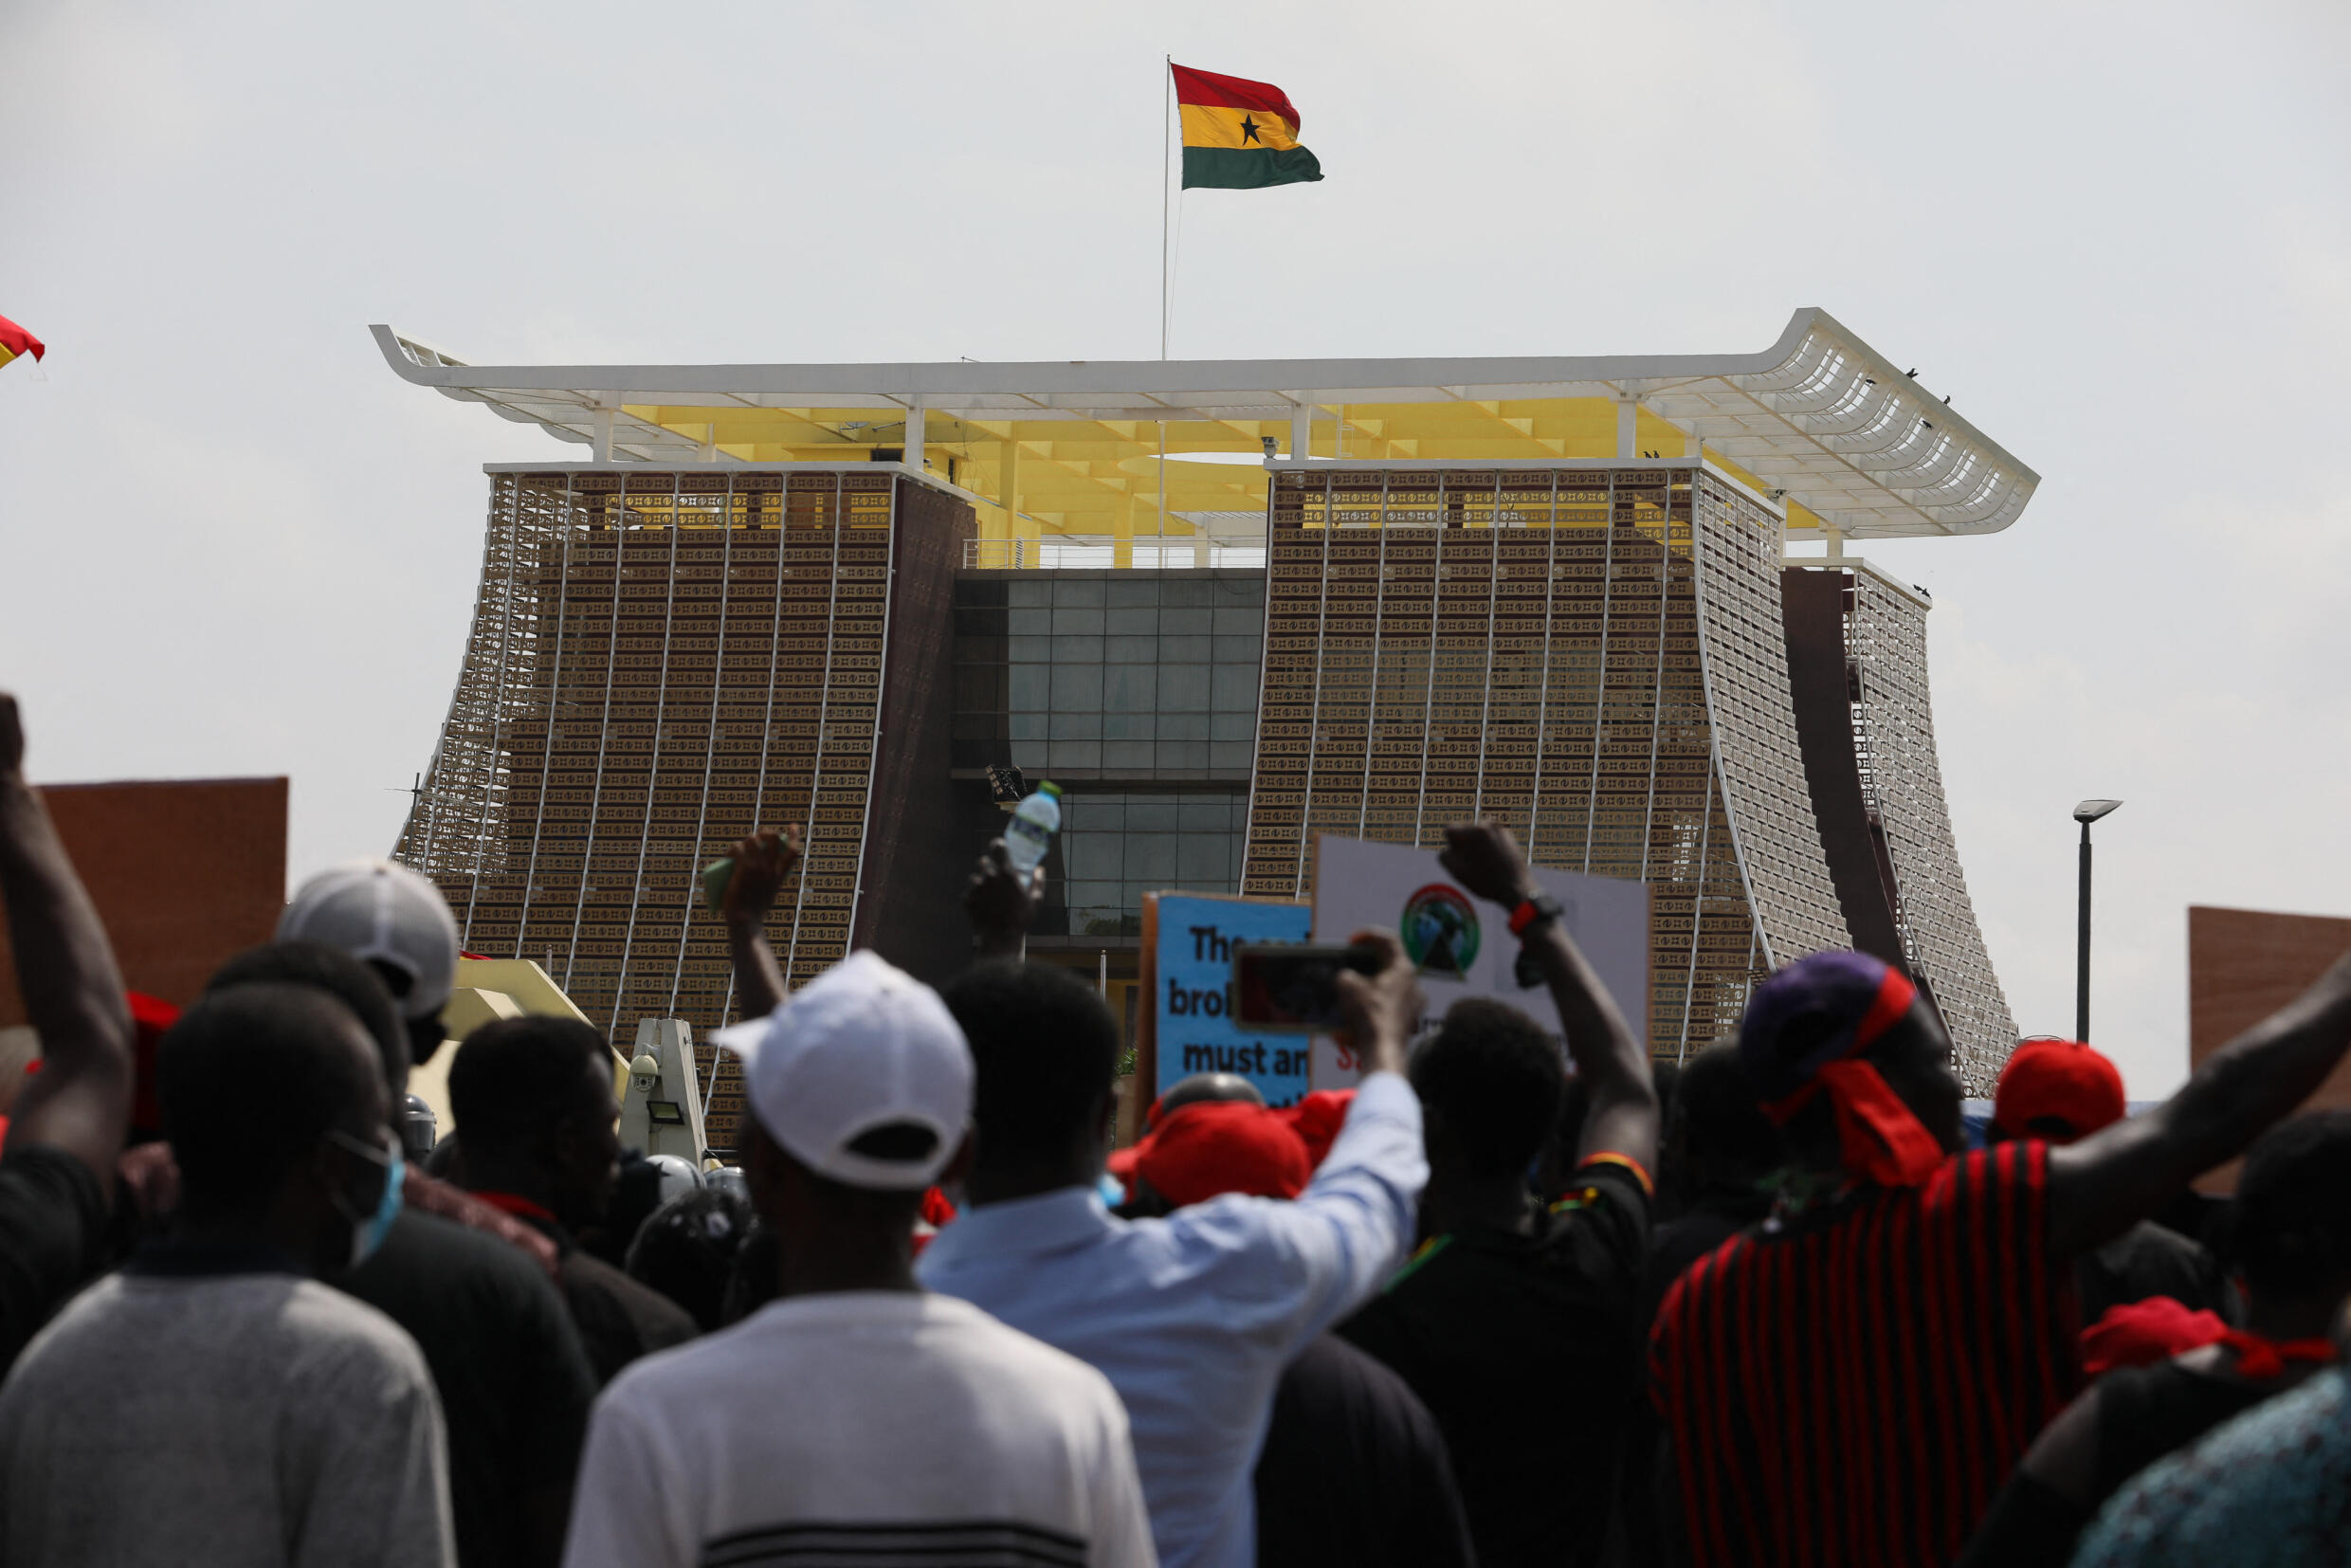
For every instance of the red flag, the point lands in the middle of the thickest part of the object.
(15, 340)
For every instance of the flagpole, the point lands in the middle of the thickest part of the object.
(1166, 115)
(1165, 143)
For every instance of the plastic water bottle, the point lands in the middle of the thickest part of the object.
(1031, 832)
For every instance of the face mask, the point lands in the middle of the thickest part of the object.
(368, 1234)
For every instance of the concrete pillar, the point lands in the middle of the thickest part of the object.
(1627, 428)
(914, 453)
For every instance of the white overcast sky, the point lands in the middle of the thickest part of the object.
(233, 542)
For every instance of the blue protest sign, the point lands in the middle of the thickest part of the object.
(1190, 943)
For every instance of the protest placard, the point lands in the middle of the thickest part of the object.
(1186, 968)
(1462, 944)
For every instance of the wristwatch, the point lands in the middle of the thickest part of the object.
(1542, 906)
(1529, 914)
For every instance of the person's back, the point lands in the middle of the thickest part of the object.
(1353, 1472)
(857, 1419)
(2269, 1490)
(893, 1426)
(195, 1409)
(1191, 1317)
(212, 1403)
(2290, 1241)
(1852, 1380)
(536, 1110)
(1517, 1323)
(513, 1379)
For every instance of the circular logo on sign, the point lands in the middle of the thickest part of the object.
(1440, 930)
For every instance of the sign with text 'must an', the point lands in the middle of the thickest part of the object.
(1187, 966)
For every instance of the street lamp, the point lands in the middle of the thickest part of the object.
(2086, 813)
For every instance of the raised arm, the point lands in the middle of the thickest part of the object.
(81, 1101)
(761, 863)
(1001, 902)
(2113, 1178)
(1620, 1091)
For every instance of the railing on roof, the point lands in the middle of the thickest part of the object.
(1101, 553)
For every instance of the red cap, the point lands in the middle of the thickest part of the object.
(1317, 1118)
(2057, 1081)
(1213, 1147)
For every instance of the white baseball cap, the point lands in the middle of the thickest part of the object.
(862, 1046)
(380, 912)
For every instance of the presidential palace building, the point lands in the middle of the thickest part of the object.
(1228, 606)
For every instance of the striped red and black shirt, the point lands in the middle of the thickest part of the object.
(1853, 1386)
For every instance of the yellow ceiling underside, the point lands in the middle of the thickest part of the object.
(1098, 477)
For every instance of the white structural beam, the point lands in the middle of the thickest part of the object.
(1819, 414)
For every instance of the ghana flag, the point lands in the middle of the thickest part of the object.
(1239, 134)
(15, 340)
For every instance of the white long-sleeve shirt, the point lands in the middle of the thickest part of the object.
(1192, 1316)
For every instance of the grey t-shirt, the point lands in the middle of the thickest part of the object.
(254, 1418)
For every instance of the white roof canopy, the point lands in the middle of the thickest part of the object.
(1819, 414)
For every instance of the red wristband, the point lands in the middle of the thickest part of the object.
(1523, 916)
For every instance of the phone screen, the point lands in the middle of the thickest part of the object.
(1289, 987)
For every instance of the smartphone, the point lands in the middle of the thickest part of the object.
(1289, 987)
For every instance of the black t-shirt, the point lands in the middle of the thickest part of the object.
(2148, 1260)
(618, 1319)
(513, 1379)
(1526, 1349)
(52, 1229)
(1353, 1472)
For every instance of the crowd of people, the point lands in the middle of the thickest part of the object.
(1497, 1304)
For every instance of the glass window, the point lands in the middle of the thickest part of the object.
(1085, 619)
(1239, 621)
(1093, 812)
(1233, 726)
(1131, 593)
(1130, 688)
(1229, 756)
(1187, 591)
(1235, 651)
(1201, 813)
(1152, 813)
(1201, 621)
(1075, 727)
(1183, 688)
(1137, 620)
(1151, 858)
(1129, 726)
(1030, 651)
(1028, 727)
(1077, 688)
(1183, 754)
(1076, 650)
(1236, 688)
(1125, 756)
(1202, 860)
(1077, 590)
(1029, 623)
(1186, 650)
(1074, 754)
(1030, 688)
(1183, 726)
(1028, 590)
(1088, 856)
(1130, 649)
